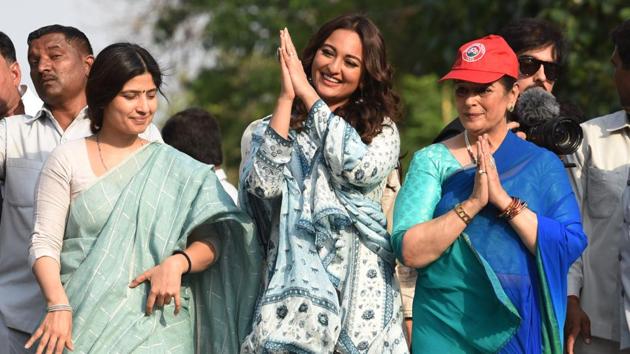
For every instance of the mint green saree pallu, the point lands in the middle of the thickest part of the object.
(130, 220)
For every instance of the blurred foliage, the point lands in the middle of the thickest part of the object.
(241, 83)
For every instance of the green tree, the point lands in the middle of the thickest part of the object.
(241, 83)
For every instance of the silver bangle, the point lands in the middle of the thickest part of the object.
(59, 307)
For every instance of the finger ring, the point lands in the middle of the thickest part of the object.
(481, 171)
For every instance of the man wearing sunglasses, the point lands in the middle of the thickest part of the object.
(598, 308)
(540, 48)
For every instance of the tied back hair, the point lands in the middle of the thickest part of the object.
(112, 68)
(374, 99)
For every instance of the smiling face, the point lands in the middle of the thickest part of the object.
(337, 67)
(482, 107)
(131, 111)
(58, 69)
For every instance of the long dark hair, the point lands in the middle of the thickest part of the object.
(112, 68)
(375, 98)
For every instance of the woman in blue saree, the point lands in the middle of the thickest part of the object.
(136, 246)
(313, 180)
(490, 221)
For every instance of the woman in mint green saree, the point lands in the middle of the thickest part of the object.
(490, 221)
(137, 247)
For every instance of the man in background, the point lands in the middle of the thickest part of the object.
(541, 50)
(60, 58)
(196, 133)
(15, 98)
(595, 290)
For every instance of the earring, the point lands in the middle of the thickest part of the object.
(510, 108)
(360, 99)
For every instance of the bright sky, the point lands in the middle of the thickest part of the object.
(28, 15)
(104, 22)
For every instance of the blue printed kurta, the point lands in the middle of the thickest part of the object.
(328, 282)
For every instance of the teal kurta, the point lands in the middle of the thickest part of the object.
(460, 269)
(487, 292)
(130, 220)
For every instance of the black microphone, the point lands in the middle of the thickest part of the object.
(546, 123)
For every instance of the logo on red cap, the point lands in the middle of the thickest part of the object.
(474, 52)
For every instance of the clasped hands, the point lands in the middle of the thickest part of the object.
(487, 188)
(294, 81)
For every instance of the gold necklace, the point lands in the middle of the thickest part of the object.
(100, 154)
(469, 148)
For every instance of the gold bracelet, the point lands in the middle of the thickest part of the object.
(459, 210)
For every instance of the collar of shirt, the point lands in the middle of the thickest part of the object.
(45, 112)
(617, 122)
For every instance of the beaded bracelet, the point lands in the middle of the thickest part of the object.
(187, 260)
(459, 210)
(59, 307)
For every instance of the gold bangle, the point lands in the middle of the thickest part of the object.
(459, 210)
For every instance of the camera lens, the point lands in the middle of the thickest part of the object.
(563, 135)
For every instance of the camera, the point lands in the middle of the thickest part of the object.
(548, 123)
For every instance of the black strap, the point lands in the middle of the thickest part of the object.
(187, 260)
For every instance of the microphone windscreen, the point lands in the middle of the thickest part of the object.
(535, 106)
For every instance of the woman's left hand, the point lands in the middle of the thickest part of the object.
(165, 280)
(497, 196)
(301, 86)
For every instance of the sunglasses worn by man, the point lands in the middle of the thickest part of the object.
(529, 65)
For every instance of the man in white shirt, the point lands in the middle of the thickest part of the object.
(196, 133)
(60, 59)
(594, 286)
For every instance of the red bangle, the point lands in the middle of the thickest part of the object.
(516, 206)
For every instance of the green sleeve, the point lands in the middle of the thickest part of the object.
(421, 191)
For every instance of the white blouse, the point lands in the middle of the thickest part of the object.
(66, 173)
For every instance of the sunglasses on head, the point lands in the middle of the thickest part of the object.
(528, 66)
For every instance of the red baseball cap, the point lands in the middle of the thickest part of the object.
(484, 60)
